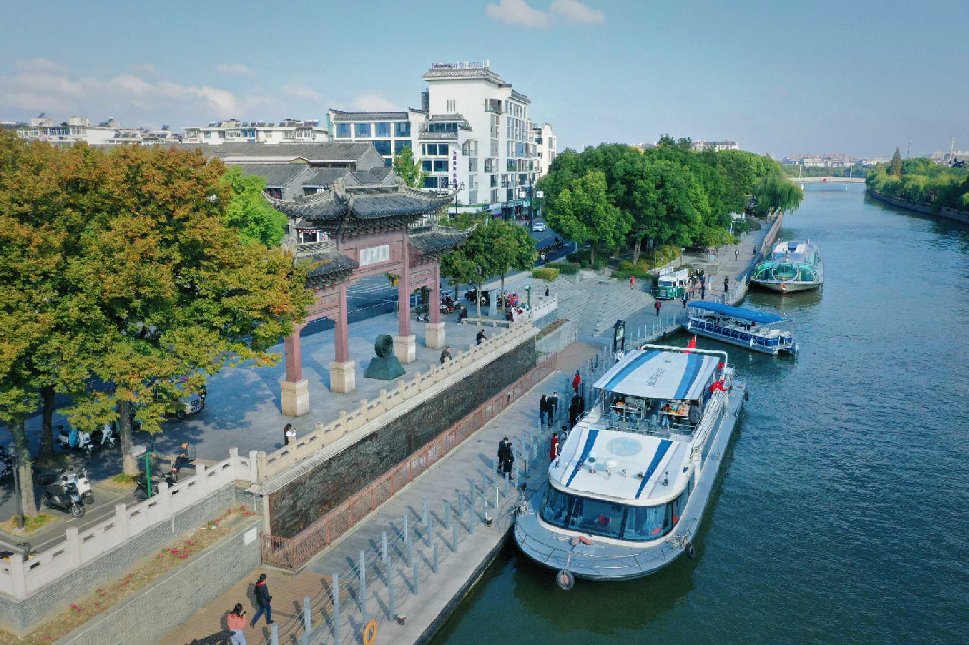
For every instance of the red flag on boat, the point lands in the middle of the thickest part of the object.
(691, 345)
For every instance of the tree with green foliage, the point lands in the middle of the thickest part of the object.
(512, 248)
(896, 167)
(409, 169)
(249, 212)
(775, 193)
(138, 283)
(584, 213)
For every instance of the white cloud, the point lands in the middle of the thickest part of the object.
(575, 11)
(300, 90)
(147, 68)
(222, 101)
(44, 65)
(518, 13)
(373, 102)
(133, 84)
(234, 68)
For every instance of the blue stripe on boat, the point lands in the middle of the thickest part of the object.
(664, 446)
(590, 441)
(633, 365)
(693, 364)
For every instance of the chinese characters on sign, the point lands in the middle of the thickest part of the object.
(374, 255)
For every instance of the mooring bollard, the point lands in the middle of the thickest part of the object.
(363, 585)
(274, 634)
(383, 548)
(417, 580)
(336, 606)
(307, 615)
(425, 511)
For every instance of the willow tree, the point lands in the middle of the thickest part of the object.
(776, 193)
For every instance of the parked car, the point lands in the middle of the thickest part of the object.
(538, 226)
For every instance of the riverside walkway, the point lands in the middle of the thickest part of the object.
(409, 580)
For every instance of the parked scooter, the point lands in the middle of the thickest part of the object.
(65, 497)
(75, 440)
(141, 490)
(81, 481)
(105, 437)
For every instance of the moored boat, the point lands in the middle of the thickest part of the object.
(629, 487)
(792, 266)
(755, 330)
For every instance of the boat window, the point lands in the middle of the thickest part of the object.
(645, 523)
(596, 516)
(555, 511)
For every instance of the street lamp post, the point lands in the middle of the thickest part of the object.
(457, 188)
(15, 459)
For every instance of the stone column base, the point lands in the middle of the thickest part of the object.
(405, 348)
(296, 398)
(434, 335)
(343, 377)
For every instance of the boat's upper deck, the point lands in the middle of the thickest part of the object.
(795, 253)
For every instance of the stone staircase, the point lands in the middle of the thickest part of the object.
(596, 302)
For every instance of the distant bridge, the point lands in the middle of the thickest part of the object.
(830, 180)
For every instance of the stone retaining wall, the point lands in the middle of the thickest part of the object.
(945, 212)
(310, 495)
(174, 597)
(22, 616)
(559, 339)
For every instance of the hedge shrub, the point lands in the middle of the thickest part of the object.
(546, 273)
(565, 268)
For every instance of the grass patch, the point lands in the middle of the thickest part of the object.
(550, 328)
(140, 575)
(31, 524)
(122, 481)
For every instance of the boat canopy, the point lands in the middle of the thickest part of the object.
(655, 374)
(737, 312)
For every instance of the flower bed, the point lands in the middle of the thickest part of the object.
(85, 609)
(548, 330)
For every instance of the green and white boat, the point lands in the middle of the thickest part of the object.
(792, 266)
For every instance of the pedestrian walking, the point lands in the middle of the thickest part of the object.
(263, 600)
(703, 291)
(502, 454)
(546, 291)
(576, 382)
(543, 409)
(554, 451)
(726, 285)
(462, 315)
(658, 306)
(632, 282)
(754, 251)
(686, 296)
(288, 434)
(446, 354)
(235, 622)
(575, 409)
(736, 253)
(553, 404)
(480, 337)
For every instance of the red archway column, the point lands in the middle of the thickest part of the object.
(342, 370)
(434, 336)
(295, 397)
(405, 343)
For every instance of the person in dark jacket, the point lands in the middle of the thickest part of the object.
(463, 315)
(553, 404)
(574, 407)
(262, 600)
(543, 410)
(480, 337)
(509, 460)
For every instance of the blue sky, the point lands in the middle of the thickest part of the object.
(856, 77)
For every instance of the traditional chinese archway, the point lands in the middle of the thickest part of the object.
(370, 230)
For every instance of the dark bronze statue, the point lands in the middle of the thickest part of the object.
(385, 365)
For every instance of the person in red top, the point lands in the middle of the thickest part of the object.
(576, 380)
(236, 622)
(554, 452)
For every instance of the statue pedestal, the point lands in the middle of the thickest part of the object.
(343, 377)
(434, 335)
(295, 398)
(405, 348)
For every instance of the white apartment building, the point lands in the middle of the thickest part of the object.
(235, 131)
(545, 148)
(75, 129)
(716, 146)
(472, 131)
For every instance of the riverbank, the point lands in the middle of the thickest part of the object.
(945, 212)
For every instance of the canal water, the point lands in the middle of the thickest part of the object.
(842, 510)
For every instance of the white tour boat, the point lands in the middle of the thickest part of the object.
(627, 492)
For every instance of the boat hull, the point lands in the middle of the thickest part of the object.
(786, 287)
(610, 562)
(700, 331)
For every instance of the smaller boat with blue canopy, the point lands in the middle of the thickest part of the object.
(756, 330)
(627, 492)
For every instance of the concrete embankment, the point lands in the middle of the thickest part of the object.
(945, 213)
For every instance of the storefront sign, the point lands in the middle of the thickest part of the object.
(374, 255)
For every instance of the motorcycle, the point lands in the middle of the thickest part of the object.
(77, 478)
(484, 297)
(65, 497)
(141, 490)
(75, 440)
(105, 438)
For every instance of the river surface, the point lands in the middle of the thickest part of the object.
(842, 510)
